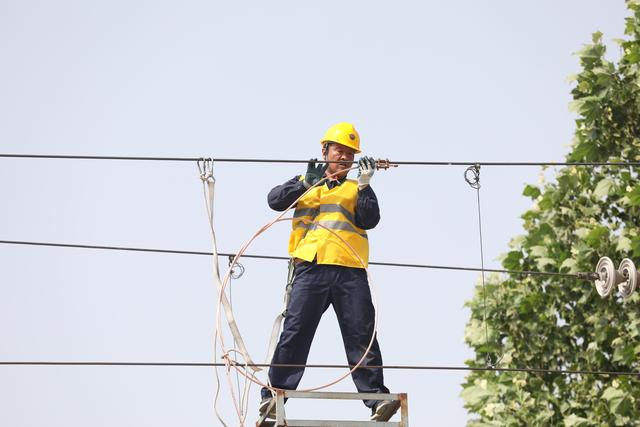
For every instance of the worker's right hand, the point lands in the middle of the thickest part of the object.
(314, 173)
(366, 169)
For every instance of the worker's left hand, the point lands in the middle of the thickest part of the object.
(366, 169)
(314, 173)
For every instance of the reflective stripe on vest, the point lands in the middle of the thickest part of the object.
(313, 212)
(332, 225)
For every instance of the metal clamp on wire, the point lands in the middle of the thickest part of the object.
(205, 166)
(472, 176)
(384, 164)
(591, 276)
(235, 274)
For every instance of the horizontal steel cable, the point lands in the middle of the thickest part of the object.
(582, 276)
(241, 160)
(328, 366)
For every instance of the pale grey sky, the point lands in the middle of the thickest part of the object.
(451, 81)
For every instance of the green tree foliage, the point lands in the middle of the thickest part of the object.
(556, 323)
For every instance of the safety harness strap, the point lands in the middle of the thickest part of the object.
(233, 326)
(277, 322)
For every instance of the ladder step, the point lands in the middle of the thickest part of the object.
(282, 420)
(339, 423)
(341, 395)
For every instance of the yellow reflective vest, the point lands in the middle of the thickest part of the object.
(334, 209)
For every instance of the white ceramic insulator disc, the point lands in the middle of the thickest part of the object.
(628, 270)
(607, 272)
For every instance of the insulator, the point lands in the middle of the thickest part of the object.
(609, 276)
(631, 278)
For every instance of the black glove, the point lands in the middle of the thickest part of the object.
(314, 173)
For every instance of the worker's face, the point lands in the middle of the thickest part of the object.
(339, 153)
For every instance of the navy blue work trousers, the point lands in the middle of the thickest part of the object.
(315, 287)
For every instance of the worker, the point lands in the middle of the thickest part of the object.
(326, 271)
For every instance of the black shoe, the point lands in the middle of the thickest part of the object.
(384, 410)
(267, 404)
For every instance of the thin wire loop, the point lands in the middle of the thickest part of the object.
(472, 176)
(235, 274)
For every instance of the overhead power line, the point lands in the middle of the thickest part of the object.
(244, 160)
(584, 276)
(72, 157)
(328, 366)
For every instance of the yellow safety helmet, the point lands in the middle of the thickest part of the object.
(343, 134)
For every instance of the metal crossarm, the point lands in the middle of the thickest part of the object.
(282, 421)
